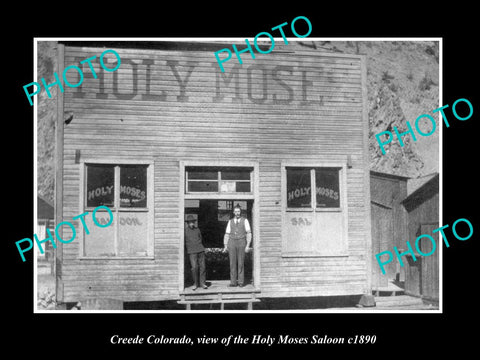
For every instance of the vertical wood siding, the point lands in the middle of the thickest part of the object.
(295, 103)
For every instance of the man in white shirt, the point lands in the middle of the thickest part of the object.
(237, 239)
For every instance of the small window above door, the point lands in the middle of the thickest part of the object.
(218, 180)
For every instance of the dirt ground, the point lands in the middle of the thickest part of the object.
(45, 287)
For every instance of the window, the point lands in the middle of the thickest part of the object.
(327, 188)
(314, 211)
(299, 188)
(100, 185)
(223, 180)
(123, 188)
(133, 186)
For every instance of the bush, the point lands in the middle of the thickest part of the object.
(387, 77)
(426, 83)
(415, 100)
(430, 51)
(393, 87)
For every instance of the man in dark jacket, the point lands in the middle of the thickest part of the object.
(196, 252)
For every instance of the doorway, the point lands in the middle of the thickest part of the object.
(212, 216)
(382, 240)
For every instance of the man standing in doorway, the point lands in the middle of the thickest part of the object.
(237, 239)
(196, 252)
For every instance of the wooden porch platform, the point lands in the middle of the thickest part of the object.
(391, 289)
(219, 292)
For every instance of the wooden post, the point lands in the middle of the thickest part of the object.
(181, 223)
(58, 198)
(366, 176)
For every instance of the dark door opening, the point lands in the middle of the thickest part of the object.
(212, 218)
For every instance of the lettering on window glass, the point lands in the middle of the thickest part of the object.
(300, 221)
(299, 187)
(100, 183)
(327, 187)
(133, 186)
(123, 189)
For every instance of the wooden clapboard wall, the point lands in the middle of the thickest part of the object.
(174, 105)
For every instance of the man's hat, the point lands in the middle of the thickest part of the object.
(190, 218)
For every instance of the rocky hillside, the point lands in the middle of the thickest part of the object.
(402, 79)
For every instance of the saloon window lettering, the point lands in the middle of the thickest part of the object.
(123, 189)
(299, 184)
(314, 216)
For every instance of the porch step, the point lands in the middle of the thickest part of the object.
(398, 301)
(220, 286)
(191, 302)
(219, 292)
(217, 296)
(391, 289)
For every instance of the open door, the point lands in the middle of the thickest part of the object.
(212, 217)
(382, 240)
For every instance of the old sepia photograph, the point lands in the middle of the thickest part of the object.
(225, 175)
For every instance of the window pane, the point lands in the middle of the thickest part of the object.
(202, 174)
(327, 187)
(204, 186)
(100, 185)
(133, 186)
(100, 241)
(298, 188)
(228, 186)
(235, 175)
(234, 186)
(243, 186)
(132, 233)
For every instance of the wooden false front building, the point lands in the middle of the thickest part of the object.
(167, 135)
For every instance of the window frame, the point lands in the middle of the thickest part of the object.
(343, 209)
(219, 181)
(116, 209)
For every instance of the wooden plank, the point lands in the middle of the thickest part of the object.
(293, 51)
(229, 301)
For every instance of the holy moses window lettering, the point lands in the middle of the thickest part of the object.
(327, 185)
(122, 188)
(133, 186)
(299, 188)
(313, 211)
(100, 185)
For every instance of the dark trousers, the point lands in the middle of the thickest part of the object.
(236, 254)
(197, 262)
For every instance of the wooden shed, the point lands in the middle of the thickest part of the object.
(422, 205)
(389, 224)
(168, 134)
